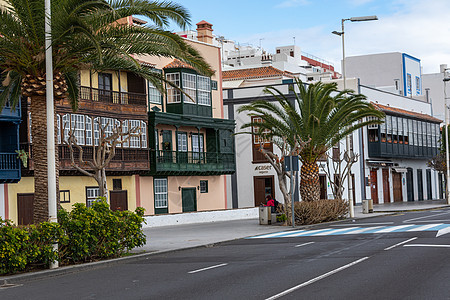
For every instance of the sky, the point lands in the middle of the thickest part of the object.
(417, 27)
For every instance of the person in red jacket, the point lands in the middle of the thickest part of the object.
(270, 201)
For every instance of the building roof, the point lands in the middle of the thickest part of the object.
(407, 113)
(178, 64)
(260, 72)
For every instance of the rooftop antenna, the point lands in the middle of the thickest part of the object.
(294, 40)
(260, 43)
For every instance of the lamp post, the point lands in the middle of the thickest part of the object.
(347, 139)
(51, 160)
(447, 166)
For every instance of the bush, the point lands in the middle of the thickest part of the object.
(313, 212)
(97, 232)
(84, 234)
(22, 247)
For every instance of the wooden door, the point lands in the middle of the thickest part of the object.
(374, 186)
(323, 186)
(397, 182)
(386, 190)
(419, 185)
(118, 200)
(189, 199)
(263, 186)
(25, 209)
(410, 185)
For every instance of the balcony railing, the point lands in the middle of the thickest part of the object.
(125, 159)
(9, 167)
(108, 96)
(400, 150)
(175, 162)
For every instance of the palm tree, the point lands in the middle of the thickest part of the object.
(86, 34)
(311, 119)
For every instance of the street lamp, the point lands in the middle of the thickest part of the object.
(347, 139)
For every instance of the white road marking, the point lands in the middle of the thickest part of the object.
(334, 231)
(401, 243)
(360, 224)
(443, 231)
(426, 245)
(309, 243)
(316, 279)
(425, 217)
(423, 227)
(393, 228)
(362, 230)
(208, 268)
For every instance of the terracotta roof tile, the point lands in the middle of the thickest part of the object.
(407, 113)
(254, 73)
(178, 64)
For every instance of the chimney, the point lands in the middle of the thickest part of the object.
(204, 32)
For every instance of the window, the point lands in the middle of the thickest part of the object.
(197, 146)
(78, 128)
(154, 96)
(107, 125)
(91, 195)
(415, 132)
(418, 85)
(203, 186)
(411, 132)
(135, 139)
(190, 88)
(408, 83)
(182, 142)
(204, 90)
(64, 196)
(96, 131)
(105, 81)
(173, 94)
(258, 156)
(66, 126)
(143, 135)
(126, 142)
(88, 130)
(58, 129)
(389, 128)
(421, 132)
(214, 85)
(117, 184)
(160, 188)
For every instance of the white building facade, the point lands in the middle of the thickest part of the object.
(392, 164)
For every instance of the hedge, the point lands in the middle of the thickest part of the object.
(84, 234)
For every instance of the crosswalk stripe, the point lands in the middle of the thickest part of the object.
(354, 230)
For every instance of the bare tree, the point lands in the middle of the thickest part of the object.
(102, 153)
(340, 174)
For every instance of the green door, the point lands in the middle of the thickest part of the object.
(189, 199)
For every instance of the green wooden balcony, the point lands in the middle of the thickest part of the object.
(191, 163)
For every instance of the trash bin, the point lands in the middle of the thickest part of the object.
(265, 217)
(367, 206)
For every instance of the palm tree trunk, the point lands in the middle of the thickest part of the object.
(39, 156)
(309, 182)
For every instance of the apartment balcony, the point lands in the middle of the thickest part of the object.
(125, 161)
(112, 97)
(191, 163)
(381, 149)
(9, 168)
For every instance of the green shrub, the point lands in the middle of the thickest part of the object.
(97, 232)
(84, 234)
(22, 247)
(313, 212)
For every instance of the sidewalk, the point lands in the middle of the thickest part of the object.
(178, 237)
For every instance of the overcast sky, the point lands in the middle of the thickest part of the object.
(417, 27)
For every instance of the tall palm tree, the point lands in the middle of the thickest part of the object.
(86, 34)
(311, 119)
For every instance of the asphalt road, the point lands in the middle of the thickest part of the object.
(332, 262)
